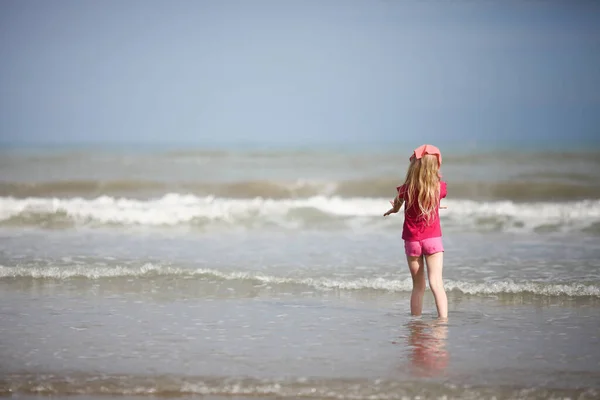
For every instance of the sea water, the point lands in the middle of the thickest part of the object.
(272, 273)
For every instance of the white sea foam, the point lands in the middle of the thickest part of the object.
(298, 387)
(176, 209)
(573, 289)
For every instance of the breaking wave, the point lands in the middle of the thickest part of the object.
(150, 271)
(312, 212)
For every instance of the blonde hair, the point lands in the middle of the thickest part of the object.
(422, 185)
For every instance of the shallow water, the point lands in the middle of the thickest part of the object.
(282, 315)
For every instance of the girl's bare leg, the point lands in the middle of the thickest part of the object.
(435, 264)
(417, 272)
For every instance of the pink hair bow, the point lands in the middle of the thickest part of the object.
(427, 149)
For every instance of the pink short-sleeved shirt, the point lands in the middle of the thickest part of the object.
(415, 227)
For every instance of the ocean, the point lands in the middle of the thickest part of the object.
(271, 273)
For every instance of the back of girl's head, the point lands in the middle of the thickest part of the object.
(422, 184)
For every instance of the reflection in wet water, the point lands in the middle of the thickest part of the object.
(427, 344)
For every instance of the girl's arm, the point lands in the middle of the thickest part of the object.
(396, 204)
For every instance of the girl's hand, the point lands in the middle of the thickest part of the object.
(396, 204)
(390, 211)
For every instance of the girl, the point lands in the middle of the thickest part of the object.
(422, 234)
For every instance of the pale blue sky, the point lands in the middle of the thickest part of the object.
(287, 71)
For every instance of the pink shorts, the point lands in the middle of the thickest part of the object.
(425, 246)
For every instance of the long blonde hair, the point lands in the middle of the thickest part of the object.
(422, 184)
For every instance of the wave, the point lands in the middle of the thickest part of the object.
(313, 212)
(549, 187)
(303, 387)
(150, 271)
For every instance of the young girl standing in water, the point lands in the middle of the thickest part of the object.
(422, 233)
